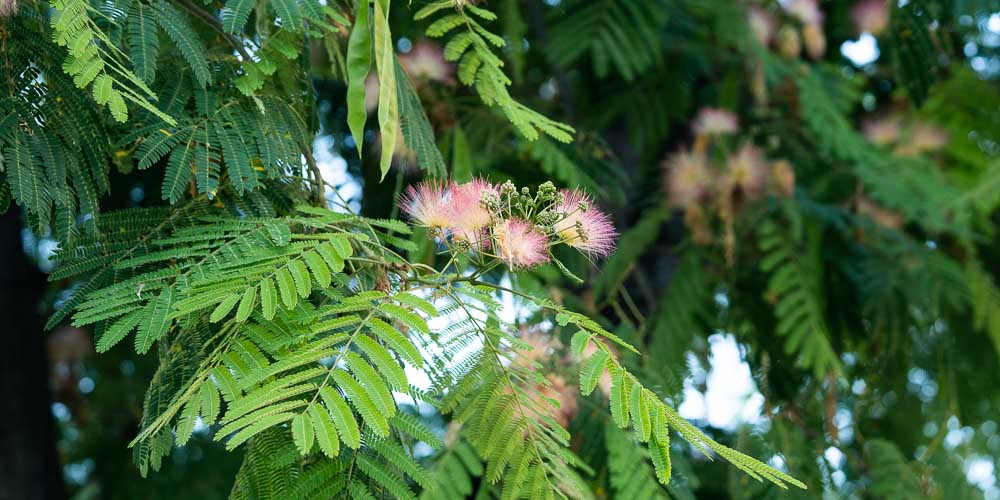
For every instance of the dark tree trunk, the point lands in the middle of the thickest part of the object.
(29, 468)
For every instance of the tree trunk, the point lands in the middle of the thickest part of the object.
(29, 468)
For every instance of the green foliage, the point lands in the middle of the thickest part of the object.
(225, 131)
(794, 290)
(418, 134)
(95, 59)
(456, 471)
(508, 423)
(294, 335)
(143, 42)
(556, 162)
(892, 475)
(615, 34)
(950, 479)
(680, 318)
(910, 185)
(912, 49)
(634, 243)
(631, 473)
(54, 150)
(635, 406)
(985, 298)
(472, 48)
(176, 26)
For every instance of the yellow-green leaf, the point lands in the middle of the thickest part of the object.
(331, 257)
(640, 413)
(326, 433)
(303, 283)
(591, 371)
(223, 308)
(302, 433)
(268, 298)
(102, 89)
(343, 418)
(319, 268)
(286, 285)
(246, 304)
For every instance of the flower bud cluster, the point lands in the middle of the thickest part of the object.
(717, 178)
(798, 24)
(513, 225)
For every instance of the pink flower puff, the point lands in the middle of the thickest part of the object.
(426, 62)
(806, 11)
(871, 16)
(584, 227)
(426, 204)
(467, 214)
(762, 24)
(689, 180)
(714, 121)
(519, 244)
(748, 170)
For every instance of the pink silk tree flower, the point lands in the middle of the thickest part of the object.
(871, 16)
(688, 179)
(882, 131)
(815, 40)
(783, 178)
(8, 8)
(806, 11)
(427, 204)
(468, 214)
(371, 92)
(426, 62)
(715, 121)
(584, 228)
(927, 137)
(519, 244)
(747, 171)
(762, 24)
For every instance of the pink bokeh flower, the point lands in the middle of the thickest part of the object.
(468, 214)
(878, 214)
(871, 16)
(688, 178)
(371, 92)
(927, 137)
(762, 24)
(551, 398)
(8, 8)
(882, 131)
(815, 40)
(806, 11)
(427, 204)
(426, 62)
(747, 171)
(783, 178)
(541, 345)
(921, 138)
(519, 244)
(584, 227)
(714, 121)
(559, 398)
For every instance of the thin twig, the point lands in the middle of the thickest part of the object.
(317, 187)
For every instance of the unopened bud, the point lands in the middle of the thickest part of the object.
(789, 43)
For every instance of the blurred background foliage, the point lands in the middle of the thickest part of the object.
(807, 193)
